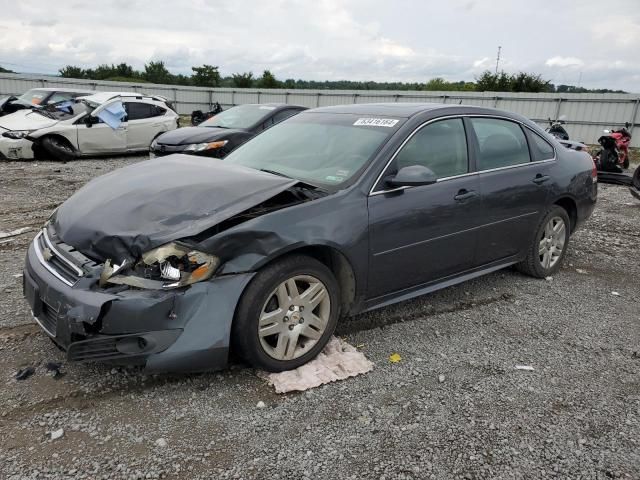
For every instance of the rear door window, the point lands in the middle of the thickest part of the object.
(139, 110)
(502, 143)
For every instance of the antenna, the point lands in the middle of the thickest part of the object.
(498, 59)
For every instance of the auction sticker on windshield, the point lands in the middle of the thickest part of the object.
(376, 122)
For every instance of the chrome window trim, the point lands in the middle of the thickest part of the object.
(469, 115)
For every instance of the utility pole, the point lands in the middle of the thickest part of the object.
(498, 59)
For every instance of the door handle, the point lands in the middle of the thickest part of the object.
(465, 195)
(540, 179)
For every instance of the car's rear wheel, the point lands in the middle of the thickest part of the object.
(287, 314)
(549, 246)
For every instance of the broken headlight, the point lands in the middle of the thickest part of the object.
(170, 266)
(199, 147)
(16, 134)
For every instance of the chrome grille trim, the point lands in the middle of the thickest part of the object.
(57, 253)
(42, 236)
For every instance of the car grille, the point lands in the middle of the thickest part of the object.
(49, 318)
(95, 349)
(51, 256)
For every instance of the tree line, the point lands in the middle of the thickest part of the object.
(209, 76)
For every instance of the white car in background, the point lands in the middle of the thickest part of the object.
(104, 123)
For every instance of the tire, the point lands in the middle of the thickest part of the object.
(635, 180)
(58, 148)
(270, 316)
(547, 249)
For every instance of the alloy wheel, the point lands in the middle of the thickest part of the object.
(552, 242)
(294, 317)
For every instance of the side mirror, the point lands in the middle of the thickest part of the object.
(88, 121)
(412, 176)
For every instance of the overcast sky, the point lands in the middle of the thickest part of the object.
(591, 42)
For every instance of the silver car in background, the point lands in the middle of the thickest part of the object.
(104, 123)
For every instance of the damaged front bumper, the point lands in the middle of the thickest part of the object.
(16, 149)
(181, 330)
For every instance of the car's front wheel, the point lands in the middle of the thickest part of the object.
(549, 246)
(287, 314)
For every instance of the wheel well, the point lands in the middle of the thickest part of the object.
(339, 266)
(572, 210)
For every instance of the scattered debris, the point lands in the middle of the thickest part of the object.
(395, 358)
(16, 232)
(261, 404)
(337, 361)
(548, 279)
(528, 368)
(441, 378)
(579, 270)
(17, 275)
(24, 373)
(54, 369)
(56, 434)
(615, 294)
(161, 442)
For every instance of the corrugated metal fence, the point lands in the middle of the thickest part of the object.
(587, 114)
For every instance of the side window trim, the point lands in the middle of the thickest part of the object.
(472, 149)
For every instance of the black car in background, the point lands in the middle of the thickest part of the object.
(219, 135)
(336, 211)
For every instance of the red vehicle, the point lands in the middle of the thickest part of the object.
(623, 139)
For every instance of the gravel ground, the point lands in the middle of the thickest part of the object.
(455, 406)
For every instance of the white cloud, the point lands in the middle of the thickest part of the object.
(379, 40)
(564, 62)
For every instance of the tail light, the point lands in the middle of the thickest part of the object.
(594, 170)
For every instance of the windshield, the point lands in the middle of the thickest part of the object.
(322, 149)
(242, 116)
(63, 110)
(33, 97)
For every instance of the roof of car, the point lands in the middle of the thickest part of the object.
(392, 109)
(275, 105)
(54, 89)
(102, 97)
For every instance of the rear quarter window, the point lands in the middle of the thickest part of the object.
(540, 148)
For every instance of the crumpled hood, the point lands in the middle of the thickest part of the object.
(26, 120)
(124, 213)
(189, 135)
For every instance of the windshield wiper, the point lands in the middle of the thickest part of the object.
(44, 113)
(273, 172)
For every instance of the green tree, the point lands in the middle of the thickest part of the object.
(268, 80)
(529, 82)
(243, 80)
(124, 70)
(156, 72)
(437, 84)
(71, 71)
(205, 76)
